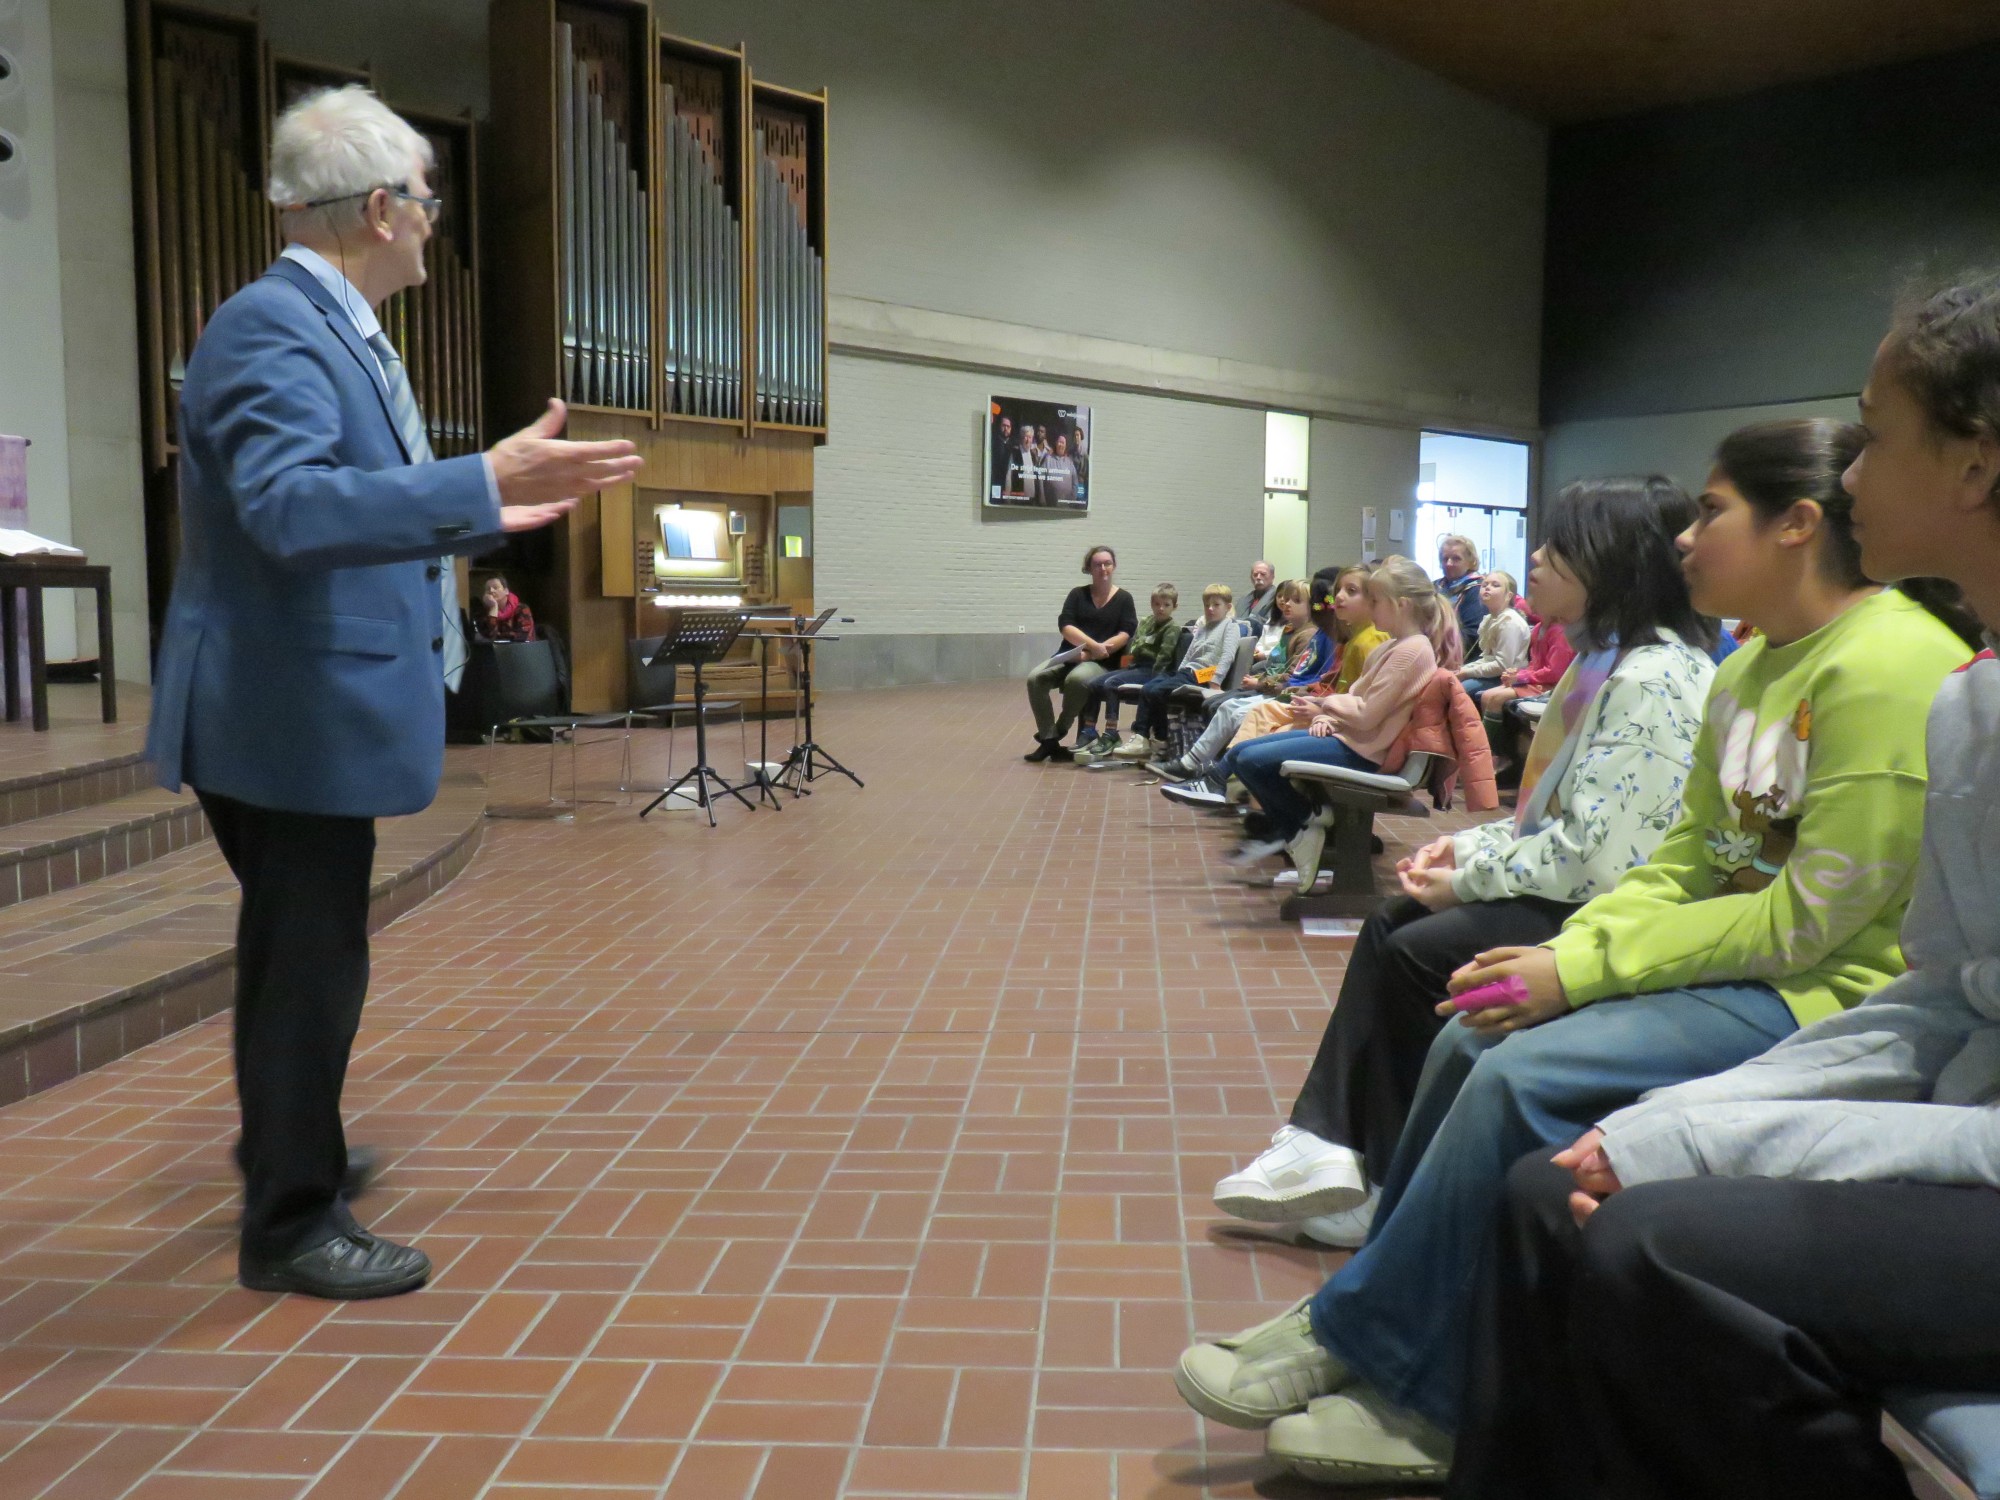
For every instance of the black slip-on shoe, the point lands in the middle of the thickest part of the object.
(346, 1268)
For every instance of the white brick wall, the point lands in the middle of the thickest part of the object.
(900, 541)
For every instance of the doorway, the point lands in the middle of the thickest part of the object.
(1285, 533)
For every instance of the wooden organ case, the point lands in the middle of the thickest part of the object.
(640, 229)
(206, 88)
(662, 269)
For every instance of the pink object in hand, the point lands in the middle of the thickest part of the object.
(1513, 990)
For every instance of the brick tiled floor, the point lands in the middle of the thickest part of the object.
(861, 1149)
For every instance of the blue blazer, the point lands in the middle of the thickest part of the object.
(300, 667)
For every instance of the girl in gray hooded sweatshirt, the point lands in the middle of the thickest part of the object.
(1711, 1293)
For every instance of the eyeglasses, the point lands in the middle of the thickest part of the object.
(432, 207)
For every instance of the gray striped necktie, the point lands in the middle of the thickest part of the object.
(410, 426)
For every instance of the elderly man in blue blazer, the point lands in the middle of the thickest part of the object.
(300, 683)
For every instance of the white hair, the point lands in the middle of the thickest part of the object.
(338, 142)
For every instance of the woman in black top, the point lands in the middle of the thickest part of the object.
(1097, 621)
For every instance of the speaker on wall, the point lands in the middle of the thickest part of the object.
(13, 150)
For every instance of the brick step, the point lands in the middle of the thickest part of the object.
(96, 971)
(77, 761)
(46, 855)
(30, 794)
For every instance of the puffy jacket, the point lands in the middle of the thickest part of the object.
(1445, 724)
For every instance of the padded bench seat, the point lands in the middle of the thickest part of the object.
(1959, 1430)
(1344, 805)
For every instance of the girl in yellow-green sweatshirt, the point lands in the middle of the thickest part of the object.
(1774, 900)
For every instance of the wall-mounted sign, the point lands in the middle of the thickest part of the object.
(1037, 455)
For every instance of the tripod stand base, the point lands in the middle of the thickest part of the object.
(808, 763)
(707, 782)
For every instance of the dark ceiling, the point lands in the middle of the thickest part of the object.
(1569, 60)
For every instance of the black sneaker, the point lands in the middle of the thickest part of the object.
(1257, 824)
(1045, 750)
(1061, 753)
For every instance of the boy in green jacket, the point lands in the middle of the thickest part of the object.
(1151, 653)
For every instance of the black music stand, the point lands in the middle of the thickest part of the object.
(809, 760)
(765, 781)
(697, 638)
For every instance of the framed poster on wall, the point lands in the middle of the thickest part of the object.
(1037, 455)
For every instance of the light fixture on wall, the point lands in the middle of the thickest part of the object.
(698, 601)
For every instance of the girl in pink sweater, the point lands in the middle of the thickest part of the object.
(1353, 729)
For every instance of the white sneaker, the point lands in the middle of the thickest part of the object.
(1348, 1230)
(1358, 1437)
(1297, 1177)
(1251, 851)
(1309, 848)
(1133, 748)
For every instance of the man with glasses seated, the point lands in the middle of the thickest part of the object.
(301, 676)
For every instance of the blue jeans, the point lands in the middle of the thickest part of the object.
(1104, 692)
(1152, 715)
(1398, 1313)
(1256, 764)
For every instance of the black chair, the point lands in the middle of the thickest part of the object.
(652, 690)
(528, 696)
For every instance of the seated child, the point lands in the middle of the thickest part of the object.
(1210, 650)
(1503, 637)
(1351, 729)
(1305, 656)
(1604, 786)
(1151, 646)
(1712, 1291)
(1773, 902)
(1340, 608)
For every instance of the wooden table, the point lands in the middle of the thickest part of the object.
(27, 580)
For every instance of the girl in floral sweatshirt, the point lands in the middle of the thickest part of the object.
(1781, 1243)
(1602, 788)
(1773, 902)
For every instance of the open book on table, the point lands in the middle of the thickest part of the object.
(24, 545)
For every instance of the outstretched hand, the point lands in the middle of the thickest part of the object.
(541, 476)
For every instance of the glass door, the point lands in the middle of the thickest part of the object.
(1476, 488)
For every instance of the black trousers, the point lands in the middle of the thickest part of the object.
(1720, 1337)
(1359, 1088)
(301, 975)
